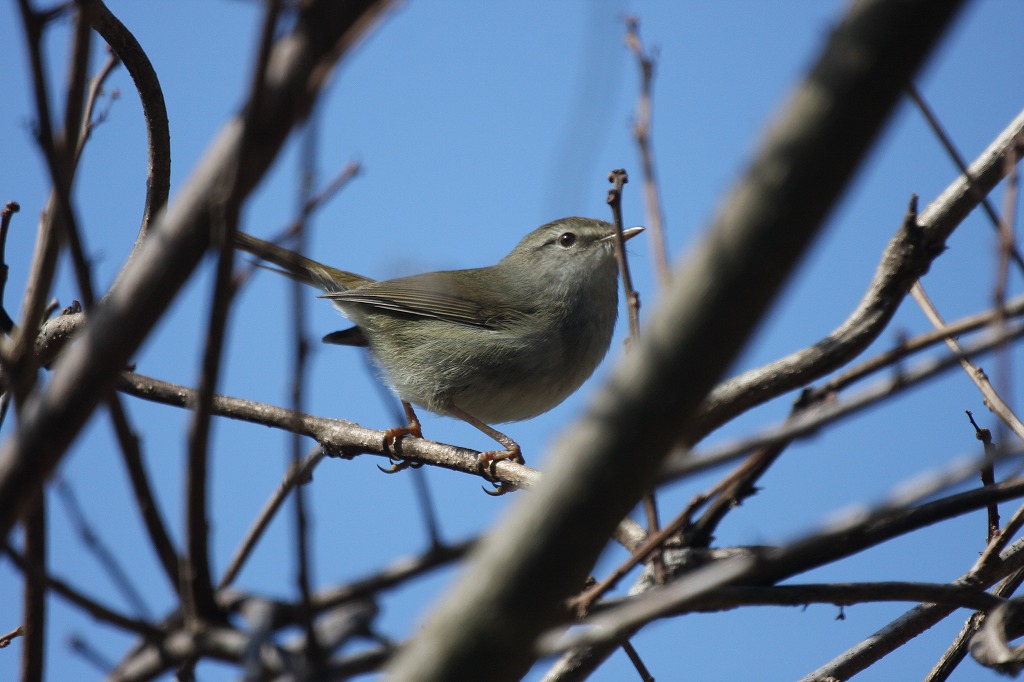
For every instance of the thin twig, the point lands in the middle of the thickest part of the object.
(145, 501)
(988, 476)
(686, 464)
(913, 622)
(428, 510)
(198, 603)
(951, 150)
(642, 133)
(903, 513)
(340, 180)
(95, 90)
(957, 651)
(90, 606)
(634, 658)
(611, 622)
(44, 259)
(296, 475)
(909, 254)
(9, 209)
(618, 178)
(154, 111)
(977, 375)
(5, 640)
(96, 546)
(317, 199)
(34, 595)
(300, 354)
(907, 347)
(91, 654)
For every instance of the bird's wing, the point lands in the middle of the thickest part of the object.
(422, 298)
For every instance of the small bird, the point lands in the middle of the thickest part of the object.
(488, 345)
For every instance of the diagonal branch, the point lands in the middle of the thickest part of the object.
(508, 594)
(906, 258)
(301, 61)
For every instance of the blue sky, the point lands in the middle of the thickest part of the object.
(474, 123)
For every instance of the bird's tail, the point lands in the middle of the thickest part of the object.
(300, 268)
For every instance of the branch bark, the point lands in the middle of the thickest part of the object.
(517, 582)
(300, 63)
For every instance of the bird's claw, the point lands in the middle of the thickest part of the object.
(499, 489)
(392, 436)
(399, 465)
(489, 461)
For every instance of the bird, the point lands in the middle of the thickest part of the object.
(487, 345)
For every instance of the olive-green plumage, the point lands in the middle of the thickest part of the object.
(502, 343)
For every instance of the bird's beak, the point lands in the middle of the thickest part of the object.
(627, 234)
(631, 232)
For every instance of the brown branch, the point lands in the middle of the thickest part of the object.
(301, 62)
(347, 439)
(954, 154)
(90, 606)
(915, 621)
(340, 438)
(686, 464)
(145, 501)
(8, 211)
(34, 596)
(958, 649)
(619, 179)
(5, 640)
(992, 398)
(804, 162)
(300, 355)
(908, 256)
(319, 198)
(77, 126)
(281, 615)
(312, 204)
(88, 124)
(906, 347)
(298, 473)
(95, 12)
(90, 654)
(766, 566)
(634, 658)
(399, 573)
(198, 603)
(625, 615)
(198, 600)
(642, 133)
(44, 258)
(154, 111)
(94, 544)
(988, 476)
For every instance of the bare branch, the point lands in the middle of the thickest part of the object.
(642, 133)
(765, 225)
(301, 62)
(154, 110)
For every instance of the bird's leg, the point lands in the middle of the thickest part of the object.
(391, 436)
(489, 459)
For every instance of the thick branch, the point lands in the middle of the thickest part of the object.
(511, 591)
(906, 258)
(300, 63)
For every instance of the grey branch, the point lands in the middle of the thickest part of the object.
(600, 468)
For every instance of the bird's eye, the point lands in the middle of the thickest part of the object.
(566, 239)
